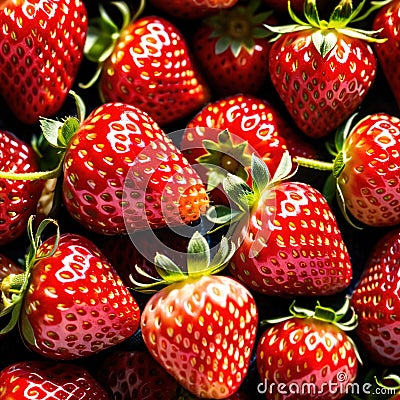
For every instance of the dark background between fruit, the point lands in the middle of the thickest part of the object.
(359, 242)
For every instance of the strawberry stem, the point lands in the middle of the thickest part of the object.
(315, 164)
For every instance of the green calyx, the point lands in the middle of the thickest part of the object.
(237, 28)
(103, 34)
(224, 157)
(324, 34)
(199, 263)
(14, 286)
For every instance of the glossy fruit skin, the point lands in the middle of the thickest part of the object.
(369, 180)
(18, 199)
(376, 298)
(76, 305)
(49, 380)
(41, 51)
(136, 375)
(202, 330)
(192, 9)
(303, 351)
(321, 93)
(122, 173)
(8, 266)
(151, 68)
(292, 245)
(388, 21)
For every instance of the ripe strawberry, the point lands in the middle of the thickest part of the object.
(201, 328)
(291, 243)
(365, 169)
(376, 300)
(41, 51)
(136, 375)
(387, 21)
(307, 356)
(18, 198)
(322, 70)
(192, 9)
(49, 380)
(232, 48)
(253, 126)
(148, 66)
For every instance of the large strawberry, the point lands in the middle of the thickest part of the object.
(201, 328)
(41, 50)
(291, 244)
(49, 380)
(307, 355)
(192, 9)
(232, 47)
(365, 169)
(18, 199)
(387, 22)
(376, 299)
(69, 302)
(147, 64)
(322, 70)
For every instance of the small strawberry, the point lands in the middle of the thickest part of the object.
(307, 355)
(201, 328)
(322, 70)
(365, 169)
(232, 48)
(136, 375)
(146, 64)
(192, 9)
(18, 198)
(376, 299)
(69, 302)
(49, 380)
(387, 22)
(41, 48)
(291, 244)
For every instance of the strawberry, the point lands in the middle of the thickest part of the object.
(387, 22)
(376, 298)
(41, 51)
(232, 48)
(148, 65)
(192, 9)
(307, 355)
(136, 375)
(322, 70)
(201, 328)
(69, 302)
(252, 125)
(365, 169)
(8, 266)
(49, 380)
(291, 244)
(18, 198)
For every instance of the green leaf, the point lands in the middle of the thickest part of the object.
(26, 330)
(68, 130)
(284, 169)
(329, 189)
(51, 129)
(167, 269)
(224, 253)
(260, 175)
(311, 13)
(222, 44)
(222, 215)
(198, 257)
(324, 41)
(238, 191)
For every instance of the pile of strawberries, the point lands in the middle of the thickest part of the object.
(200, 199)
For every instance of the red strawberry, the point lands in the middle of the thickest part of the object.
(232, 47)
(148, 66)
(41, 50)
(322, 70)
(201, 328)
(387, 21)
(18, 198)
(49, 380)
(365, 169)
(8, 266)
(136, 375)
(307, 356)
(254, 126)
(376, 299)
(291, 243)
(192, 9)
